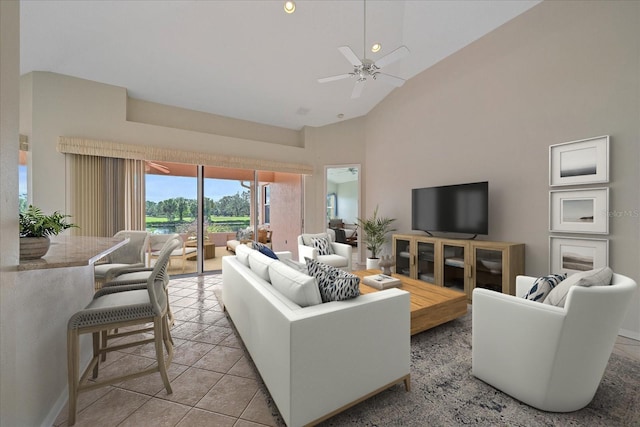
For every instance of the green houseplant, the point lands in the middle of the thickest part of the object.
(35, 229)
(375, 229)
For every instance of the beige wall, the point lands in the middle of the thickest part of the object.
(9, 97)
(561, 71)
(68, 106)
(286, 212)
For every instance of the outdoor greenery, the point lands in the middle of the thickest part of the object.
(179, 214)
(34, 223)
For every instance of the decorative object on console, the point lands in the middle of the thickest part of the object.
(579, 211)
(571, 255)
(385, 263)
(579, 162)
(35, 229)
(375, 235)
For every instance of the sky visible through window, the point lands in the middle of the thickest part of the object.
(163, 187)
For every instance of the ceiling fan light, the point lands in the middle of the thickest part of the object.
(376, 47)
(289, 6)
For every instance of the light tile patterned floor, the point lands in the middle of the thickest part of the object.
(214, 384)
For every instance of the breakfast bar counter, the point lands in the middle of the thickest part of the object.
(73, 251)
(48, 292)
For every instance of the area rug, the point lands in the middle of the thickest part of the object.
(444, 393)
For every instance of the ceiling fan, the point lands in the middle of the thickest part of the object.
(364, 68)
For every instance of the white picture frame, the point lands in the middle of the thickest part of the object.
(579, 211)
(585, 161)
(573, 255)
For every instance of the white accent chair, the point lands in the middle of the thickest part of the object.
(157, 241)
(551, 358)
(341, 257)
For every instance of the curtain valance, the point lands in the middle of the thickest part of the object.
(92, 147)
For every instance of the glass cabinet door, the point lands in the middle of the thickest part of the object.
(454, 266)
(426, 266)
(402, 252)
(488, 269)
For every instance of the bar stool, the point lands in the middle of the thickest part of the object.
(118, 307)
(130, 255)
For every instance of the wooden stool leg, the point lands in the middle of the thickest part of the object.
(96, 351)
(158, 331)
(73, 365)
(407, 383)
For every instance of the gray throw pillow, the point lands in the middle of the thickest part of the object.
(598, 277)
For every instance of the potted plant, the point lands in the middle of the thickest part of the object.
(35, 229)
(375, 230)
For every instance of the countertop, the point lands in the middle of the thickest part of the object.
(73, 251)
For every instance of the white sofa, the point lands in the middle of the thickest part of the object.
(317, 360)
(549, 357)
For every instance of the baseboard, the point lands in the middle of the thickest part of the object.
(56, 408)
(627, 333)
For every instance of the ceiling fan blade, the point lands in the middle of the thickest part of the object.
(392, 57)
(334, 78)
(393, 80)
(158, 167)
(357, 89)
(351, 57)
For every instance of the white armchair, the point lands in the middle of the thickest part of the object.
(551, 358)
(341, 257)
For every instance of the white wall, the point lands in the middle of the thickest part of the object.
(560, 72)
(348, 201)
(9, 98)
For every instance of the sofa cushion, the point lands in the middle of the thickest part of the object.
(598, 277)
(259, 264)
(298, 287)
(543, 285)
(322, 244)
(242, 254)
(264, 249)
(334, 284)
(299, 266)
(333, 260)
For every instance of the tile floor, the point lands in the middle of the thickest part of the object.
(214, 384)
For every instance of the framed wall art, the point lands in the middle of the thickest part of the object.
(579, 162)
(579, 211)
(572, 255)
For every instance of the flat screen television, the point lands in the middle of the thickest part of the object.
(462, 208)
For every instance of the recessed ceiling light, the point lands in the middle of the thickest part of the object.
(289, 6)
(376, 47)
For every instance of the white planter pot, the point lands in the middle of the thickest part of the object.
(33, 247)
(372, 264)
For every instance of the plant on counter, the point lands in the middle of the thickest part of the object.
(35, 229)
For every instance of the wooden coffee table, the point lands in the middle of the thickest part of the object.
(431, 305)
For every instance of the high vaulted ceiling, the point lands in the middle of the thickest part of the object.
(248, 59)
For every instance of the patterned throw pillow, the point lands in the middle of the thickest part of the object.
(262, 248)
(543, 285)
(334, 284)
(322, 245)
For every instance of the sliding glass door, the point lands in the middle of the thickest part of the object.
(210, 206)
